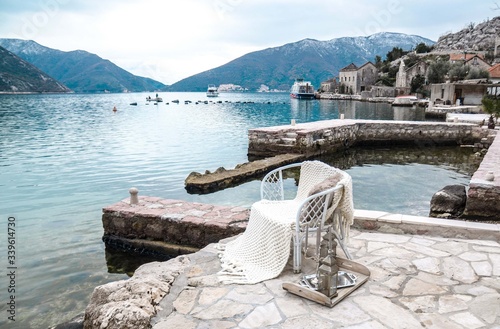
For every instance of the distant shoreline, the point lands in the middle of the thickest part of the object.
(34, 92)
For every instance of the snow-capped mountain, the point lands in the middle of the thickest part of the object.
(310, 59)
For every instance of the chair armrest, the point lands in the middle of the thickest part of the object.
(314, 209)
(271, 187)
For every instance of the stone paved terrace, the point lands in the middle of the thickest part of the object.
(416, 282)
(425, 273)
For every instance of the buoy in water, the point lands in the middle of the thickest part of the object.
(114, 109)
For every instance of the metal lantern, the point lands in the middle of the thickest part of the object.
(328, 270)
(328, 276)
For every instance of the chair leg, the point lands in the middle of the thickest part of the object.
(297, 255)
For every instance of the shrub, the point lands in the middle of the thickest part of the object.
(491, 105)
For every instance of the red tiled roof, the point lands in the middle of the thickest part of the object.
(462, 56)
(494, 71)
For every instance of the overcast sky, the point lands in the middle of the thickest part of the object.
(170, 40)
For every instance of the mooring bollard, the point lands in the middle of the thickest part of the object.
(134, 199)
(341, 116)
(292, 122)
(490, 176)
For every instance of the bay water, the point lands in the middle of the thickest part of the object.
(64, 157)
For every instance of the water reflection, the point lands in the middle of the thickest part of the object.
(120, 261)
(460, 160)
(300, 108)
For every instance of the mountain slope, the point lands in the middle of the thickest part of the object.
(309, 59)
(80, 70)
(474, 37)
(17, 75)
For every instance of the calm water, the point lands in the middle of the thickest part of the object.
(64, 157)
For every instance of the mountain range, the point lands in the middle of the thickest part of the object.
(309, 59)
(19, 76)
(80, 70)
(275, 67)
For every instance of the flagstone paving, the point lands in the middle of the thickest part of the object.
(416, 281)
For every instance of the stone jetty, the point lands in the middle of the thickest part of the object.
(170, 227)
(296, 142)
(281, 145)
(223, 178)
(329, 136)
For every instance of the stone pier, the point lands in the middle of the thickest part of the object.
(170, 227)
(483, 196)
(329, 136)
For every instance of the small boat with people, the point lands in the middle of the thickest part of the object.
(302, 89)
(155, 99)
(212, 91)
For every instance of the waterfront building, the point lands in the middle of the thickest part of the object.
(357, 79)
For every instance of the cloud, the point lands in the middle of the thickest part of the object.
(171, 40)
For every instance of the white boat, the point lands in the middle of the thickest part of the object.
(212, 91)
(405, 100)
(302, 89)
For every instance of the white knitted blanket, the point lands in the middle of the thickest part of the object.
(263, 250)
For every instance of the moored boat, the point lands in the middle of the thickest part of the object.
(405, 100)
(212, 91)
(302, 89)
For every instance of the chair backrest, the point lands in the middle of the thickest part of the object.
(311, 174)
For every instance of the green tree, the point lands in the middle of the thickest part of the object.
(394, 54)
(491, 105)
(416, 83)
(437, 71)
(422, 48)
(458, 71)
(478, 73)
(378, 61)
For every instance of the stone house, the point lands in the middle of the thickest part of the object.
(470, 93)
(357, 79)
(329, 86)
(473, 60)
(477, 61)
(405, 75)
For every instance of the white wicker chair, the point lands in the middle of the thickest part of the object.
(310, 213)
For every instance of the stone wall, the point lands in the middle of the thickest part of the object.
(181, 223)
(330, 136)
(422, 133)
(483, 196)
